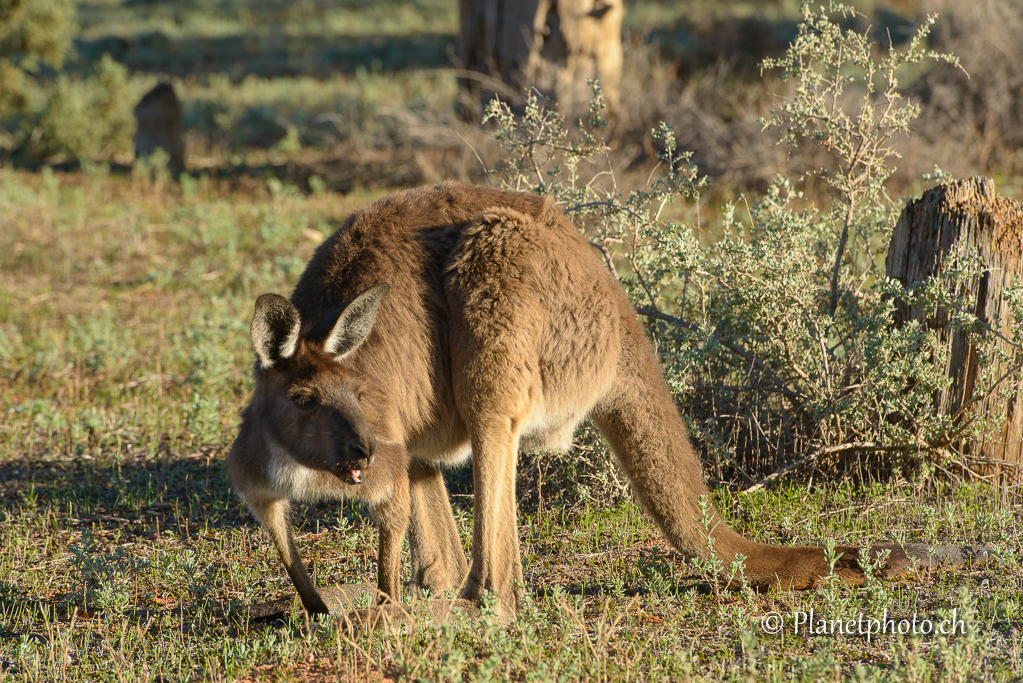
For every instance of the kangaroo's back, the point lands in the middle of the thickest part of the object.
(407, 240)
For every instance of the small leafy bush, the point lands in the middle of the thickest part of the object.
(33, 33)
(90, 118)
(259, 127)
(49, 115)
(778, 337)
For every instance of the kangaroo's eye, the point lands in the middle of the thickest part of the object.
(304, 401)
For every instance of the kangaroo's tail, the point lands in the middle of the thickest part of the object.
(640, 420)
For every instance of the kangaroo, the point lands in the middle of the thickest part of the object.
(501, 330)
(304, 437)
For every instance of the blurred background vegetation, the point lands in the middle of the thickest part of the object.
(362, 94)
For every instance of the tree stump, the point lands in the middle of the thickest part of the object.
(934, 234)
(158, 115)
(553, 45)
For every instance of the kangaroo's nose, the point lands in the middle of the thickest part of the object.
(357, 448)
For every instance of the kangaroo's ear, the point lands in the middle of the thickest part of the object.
(355, 322)
(274, 329)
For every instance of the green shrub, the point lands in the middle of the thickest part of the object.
(58, 116)
(90, 118)
(778, 338)
(33, 33)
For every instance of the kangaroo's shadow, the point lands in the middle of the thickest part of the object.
(354, 605)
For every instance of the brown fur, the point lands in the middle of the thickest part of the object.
(502, 329)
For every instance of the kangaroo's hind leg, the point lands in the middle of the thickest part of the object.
(497, 288)
(438, 561)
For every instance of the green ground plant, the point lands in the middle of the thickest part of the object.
(125, 301)
(88, 118)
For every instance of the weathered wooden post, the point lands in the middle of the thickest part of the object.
(158, 115)
(933, 234)
(553, 45)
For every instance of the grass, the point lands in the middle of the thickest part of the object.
(125, 301)
(124, 305)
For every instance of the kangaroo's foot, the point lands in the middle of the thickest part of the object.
(435, 611)
(802, 568)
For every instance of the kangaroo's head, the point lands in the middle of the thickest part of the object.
(305, 400)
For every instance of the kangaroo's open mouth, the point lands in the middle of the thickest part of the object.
(350, 470)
